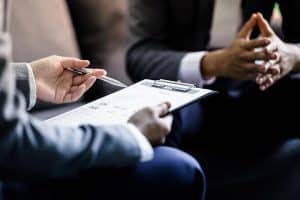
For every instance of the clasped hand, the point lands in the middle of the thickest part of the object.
(280, 58)
(264, 60)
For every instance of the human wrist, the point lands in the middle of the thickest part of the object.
(212, 64)
(34, 70)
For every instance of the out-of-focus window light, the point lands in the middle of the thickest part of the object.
(276, 19)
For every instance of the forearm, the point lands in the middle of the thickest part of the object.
(30, 149)
(154, 61)
(149, 55)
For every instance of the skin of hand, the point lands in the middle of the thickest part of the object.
(238, 60)
(57, 85)
(288, 60)
(153, 123)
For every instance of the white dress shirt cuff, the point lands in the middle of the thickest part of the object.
(190, 69)
(145, 147)
(32, 86)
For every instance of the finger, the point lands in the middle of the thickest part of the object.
(97, 72)
(73, 88)
(273, 55)
(260, 79)
(78, 80)
(77, 94)
(74, 62)
(247, 29)
(271, 48)
(256, 43)
(74, 94)
(264, 26)
(162, 109)
(89, 83)
(167, 123)
(68, 98)
(264, 80)
(255, 68)
(268, 83)
(274, 70)
(254, 56)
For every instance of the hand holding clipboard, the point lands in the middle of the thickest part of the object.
(120, 106)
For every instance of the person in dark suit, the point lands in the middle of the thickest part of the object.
(45, 161)
(246, 137)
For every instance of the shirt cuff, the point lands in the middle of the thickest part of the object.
(32, 87)
(145, 147)
(190, 69)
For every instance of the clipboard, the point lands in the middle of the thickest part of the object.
(183, 88)
(118, 107)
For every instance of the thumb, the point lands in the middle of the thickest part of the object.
(74, 62)
(247, 29)
(162, 109)
(264, 26)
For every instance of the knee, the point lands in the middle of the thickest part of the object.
(174, 171)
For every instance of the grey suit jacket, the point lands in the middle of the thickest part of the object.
(162, 31)
(31, 149)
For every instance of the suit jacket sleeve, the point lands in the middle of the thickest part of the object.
(25, 83)
(31, 149)
(149, 55)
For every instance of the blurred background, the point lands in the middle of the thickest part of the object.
(94, 30)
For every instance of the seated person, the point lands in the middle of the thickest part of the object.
(39, 161)
(246, 137)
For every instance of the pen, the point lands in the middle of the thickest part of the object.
(106, 79)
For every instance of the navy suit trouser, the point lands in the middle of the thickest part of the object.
(248, 146)
(172, 174)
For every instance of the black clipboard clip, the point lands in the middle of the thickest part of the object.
(173, 85)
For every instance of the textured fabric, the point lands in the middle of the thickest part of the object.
(237, 134)
(30, 149)
(190, 69)
(172, 174)
(158, 42)
(25, 82)
(144, 145)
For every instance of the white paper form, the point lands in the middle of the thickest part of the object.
(120, 106)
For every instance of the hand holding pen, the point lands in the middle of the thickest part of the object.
(57, 85)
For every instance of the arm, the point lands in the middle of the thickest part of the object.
(25, 83)
(149, 55)
(31, 149)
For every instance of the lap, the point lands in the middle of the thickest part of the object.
(171, 174)
(253, 117)
(247, 145)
